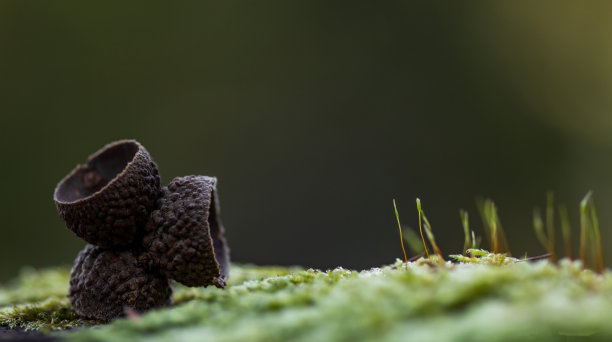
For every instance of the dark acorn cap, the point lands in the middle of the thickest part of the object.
(104, 283)
(184, 237)
(107, 201)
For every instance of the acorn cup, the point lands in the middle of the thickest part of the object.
(184, 237)
(104, 283)
(107, 201)
(141, 236)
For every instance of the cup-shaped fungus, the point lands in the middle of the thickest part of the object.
(107, 201)
(140, 235)
(184, 237)
(104, 283)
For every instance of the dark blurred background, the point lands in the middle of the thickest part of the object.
(313, 115)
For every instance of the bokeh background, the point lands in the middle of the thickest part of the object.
(313, 115)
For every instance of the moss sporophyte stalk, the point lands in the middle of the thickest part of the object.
(477, 295)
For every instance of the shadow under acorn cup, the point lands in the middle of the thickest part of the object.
(107, 201)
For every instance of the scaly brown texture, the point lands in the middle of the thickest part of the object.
(107, 201)
(105, 283)
(184, 237)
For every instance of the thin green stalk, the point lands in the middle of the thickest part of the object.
(481, 205)
(566, 231)
(400, 231)
(418, 203)
(493, 225)
(466, 229)
(493, 229)
(428, 231)
(550, 224)
(432, 240)
(584, 228)
(598, 250)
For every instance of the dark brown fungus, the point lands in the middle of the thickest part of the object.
(108, 200)
(184, 237)
(105, 283)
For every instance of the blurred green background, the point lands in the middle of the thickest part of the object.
(313, 115)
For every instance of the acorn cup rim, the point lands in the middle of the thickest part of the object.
(218, 237)
(220, 280)
(93, 156)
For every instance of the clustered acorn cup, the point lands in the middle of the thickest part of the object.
(140, 236)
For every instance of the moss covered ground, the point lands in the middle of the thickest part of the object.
(484, 298)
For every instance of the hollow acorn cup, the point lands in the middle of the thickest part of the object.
(107, 201)
(140, 236)
(184, 237)
(106, 282)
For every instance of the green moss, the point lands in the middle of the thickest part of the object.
(239, 275)
(452, 302)
(36, 300)
(480, 256)
(47, 315)
(483, 301)
(32, 285)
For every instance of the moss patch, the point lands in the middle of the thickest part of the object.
(36, 300)
(476, 301)
(32, 285)
(50, 314)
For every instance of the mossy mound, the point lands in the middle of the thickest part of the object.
(428, 301)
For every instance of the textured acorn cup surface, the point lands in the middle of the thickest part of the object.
(107, 201)
(104, 283)
(184, 237)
